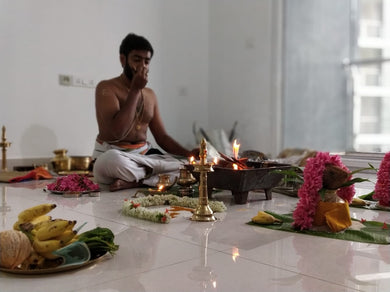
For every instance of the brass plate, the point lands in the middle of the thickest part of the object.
(92, 193)
(67, 172)
(53, 270)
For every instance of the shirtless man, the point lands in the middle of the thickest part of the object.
(125, 109)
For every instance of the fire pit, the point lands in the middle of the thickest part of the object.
(240, 182)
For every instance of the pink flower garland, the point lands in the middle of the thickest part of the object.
(309, 196)
(382, 186)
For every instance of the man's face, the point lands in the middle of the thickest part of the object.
(136, 60)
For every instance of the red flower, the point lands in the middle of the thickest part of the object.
(163, 219)
(73, 183)
(134, 205)
(384, 226)
(382, 186)
(362, 220)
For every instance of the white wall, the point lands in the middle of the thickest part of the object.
(245, 44)
(213, 64)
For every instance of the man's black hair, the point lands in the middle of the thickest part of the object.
(135, 42)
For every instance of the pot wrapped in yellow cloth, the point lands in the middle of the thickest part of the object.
(335, 215)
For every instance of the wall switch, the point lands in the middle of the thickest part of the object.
(66, 80)
(76, 81)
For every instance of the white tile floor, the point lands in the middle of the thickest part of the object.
(195, 256)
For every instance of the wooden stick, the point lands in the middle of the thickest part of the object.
(233, 160)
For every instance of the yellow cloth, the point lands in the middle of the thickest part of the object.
(335, 215)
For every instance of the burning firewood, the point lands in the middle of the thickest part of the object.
(228, 162)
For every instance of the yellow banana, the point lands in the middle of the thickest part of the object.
(34, 261)
(34, 212)
(35, 221)
(358, 202)
(41, 218)
(265, 218)
(74, 239)
(16, 225)
(66, 236)
(54, 229)
(44, 224)
(46, 246)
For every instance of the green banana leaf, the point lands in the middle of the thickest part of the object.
(373, 232)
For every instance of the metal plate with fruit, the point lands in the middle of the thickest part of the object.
(39, 244)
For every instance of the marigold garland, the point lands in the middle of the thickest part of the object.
(382, 186)
(308, 193)
(138, 207)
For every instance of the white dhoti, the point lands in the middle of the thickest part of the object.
(113, 162)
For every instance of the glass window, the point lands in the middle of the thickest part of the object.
(371, 77)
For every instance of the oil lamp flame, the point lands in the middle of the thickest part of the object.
(236, 148)
(235, 166)
(160, 188)
(215, 160)
(192, 160)
(235, 254)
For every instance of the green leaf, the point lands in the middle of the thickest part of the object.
(372, 231)
(353, 181)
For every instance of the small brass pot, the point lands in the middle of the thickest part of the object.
(164, 182)
(61, 161)
(186, 178)
(80, 162)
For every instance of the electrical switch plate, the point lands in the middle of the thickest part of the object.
(76, 81)
(66, 80)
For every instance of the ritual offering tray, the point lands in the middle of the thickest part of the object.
(255, 176)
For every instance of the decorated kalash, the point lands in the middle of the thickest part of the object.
(325, 198)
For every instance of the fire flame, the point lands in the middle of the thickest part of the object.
(236, 148)
(215, 160)
(160, 188)
(235, 166)
(235, 254)
(192, 160)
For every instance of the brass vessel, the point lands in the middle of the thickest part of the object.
(80, 162)
(185, 181)
(164, 182)
(61, 162)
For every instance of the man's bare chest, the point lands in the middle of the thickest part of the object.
(144, 109)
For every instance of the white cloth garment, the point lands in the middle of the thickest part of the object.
(112, 163)
(100, 148)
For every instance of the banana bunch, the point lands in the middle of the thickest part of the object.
(34, 215)
(51, 235)
(46, 234)
(265, 218)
